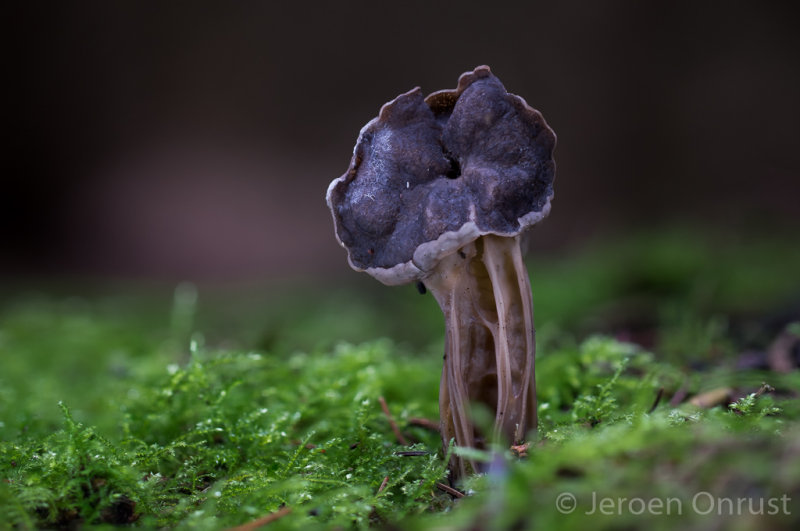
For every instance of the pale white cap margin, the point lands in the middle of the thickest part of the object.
(428, 254)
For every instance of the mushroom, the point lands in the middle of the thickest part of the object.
(438, 191)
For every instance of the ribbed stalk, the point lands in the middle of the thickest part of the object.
(484, 293)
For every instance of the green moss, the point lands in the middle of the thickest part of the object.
(118, 411)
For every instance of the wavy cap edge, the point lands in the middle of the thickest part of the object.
(429, 253)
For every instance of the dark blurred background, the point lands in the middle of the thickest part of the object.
(195, 140)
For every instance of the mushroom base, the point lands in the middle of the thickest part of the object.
(485, 295)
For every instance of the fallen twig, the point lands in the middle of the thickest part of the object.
(412, 453)
(711, 398)
(450, 490)
(264, 520)
(383, 484)
(765, 388)
(397, 433)
(678, 397)
(657, 400)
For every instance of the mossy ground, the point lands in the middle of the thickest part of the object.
(212, 412)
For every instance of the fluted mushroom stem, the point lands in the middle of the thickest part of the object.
(485, 295)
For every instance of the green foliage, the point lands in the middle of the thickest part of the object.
(231, 436)
(600, 380)
(599, 406)
(117, 411)
(751, 406)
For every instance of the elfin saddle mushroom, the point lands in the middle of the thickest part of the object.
(438, 191)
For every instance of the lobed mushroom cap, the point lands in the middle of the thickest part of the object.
(429, 175)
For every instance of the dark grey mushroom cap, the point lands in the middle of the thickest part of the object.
(430, 175)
